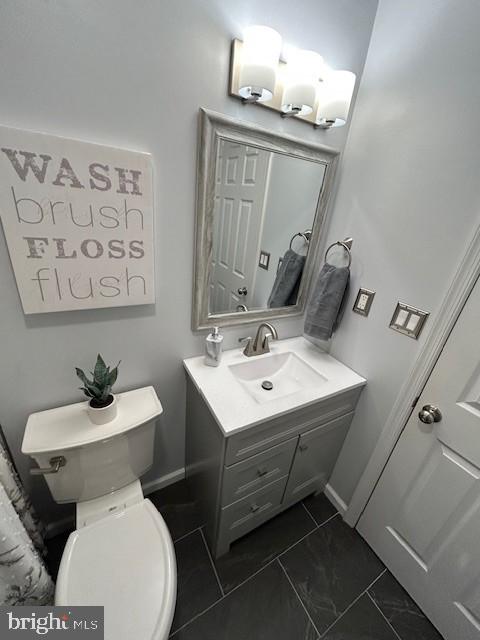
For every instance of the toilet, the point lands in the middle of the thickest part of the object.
(121, 554)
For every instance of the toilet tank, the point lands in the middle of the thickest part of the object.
(99, 459)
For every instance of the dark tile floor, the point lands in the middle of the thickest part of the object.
(304, 575)
(55, 547)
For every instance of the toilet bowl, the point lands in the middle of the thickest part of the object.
(121, 554)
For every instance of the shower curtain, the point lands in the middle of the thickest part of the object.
(24, 578)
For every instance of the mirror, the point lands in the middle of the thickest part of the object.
(261, 208)
(264, 211)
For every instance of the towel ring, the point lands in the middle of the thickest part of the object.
(341, 244)
(305, 235)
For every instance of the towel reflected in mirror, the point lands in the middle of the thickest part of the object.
(287, 281)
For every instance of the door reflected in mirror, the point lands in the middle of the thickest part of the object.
(265, 204)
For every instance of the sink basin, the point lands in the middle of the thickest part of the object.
(281, 374)
(300, 373)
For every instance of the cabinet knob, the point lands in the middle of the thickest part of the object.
(254, 508)
(303, 447)
(262, 472)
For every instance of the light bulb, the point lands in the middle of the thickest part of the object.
(302, 75)
(260, 55)
(335, 95)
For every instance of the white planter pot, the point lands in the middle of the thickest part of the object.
(103, 415)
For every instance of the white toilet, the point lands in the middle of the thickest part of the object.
(121, 555)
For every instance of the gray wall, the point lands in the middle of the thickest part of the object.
(293, 191)
(408, 194)
(133, 74)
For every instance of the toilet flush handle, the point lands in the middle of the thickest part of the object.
(55, 464)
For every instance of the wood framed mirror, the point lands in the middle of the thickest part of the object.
(262, 199)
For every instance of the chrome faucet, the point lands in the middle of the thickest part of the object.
(260, 344)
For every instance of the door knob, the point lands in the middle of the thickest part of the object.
(430, 414)
(242, 291)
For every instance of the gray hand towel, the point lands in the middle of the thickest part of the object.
(287, 281)
(325, 308)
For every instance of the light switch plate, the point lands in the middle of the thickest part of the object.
(408, 320)
(264, 260)
(363, 301)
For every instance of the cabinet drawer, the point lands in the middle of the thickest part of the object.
(315, 457)
(265, 435)
(252, 474)
(243, 516)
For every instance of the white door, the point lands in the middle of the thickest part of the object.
(241, 185)
(423, 518)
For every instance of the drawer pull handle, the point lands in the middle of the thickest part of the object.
(303, 447)
(254, 508)
(262, 472)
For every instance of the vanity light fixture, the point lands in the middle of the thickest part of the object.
(303, 87)
(259, 65)
(334, 98)
(303, 73)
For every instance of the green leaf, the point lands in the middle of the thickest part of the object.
(81, 375)
(106, 392)
(94, 390)
(112, 378)
(100, 369)
(86, 392)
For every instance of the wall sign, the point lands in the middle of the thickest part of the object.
(78, 221)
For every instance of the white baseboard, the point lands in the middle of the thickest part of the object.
(335, 499)
(67, 524)
(163, 481)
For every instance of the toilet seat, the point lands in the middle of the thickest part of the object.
(125, 562)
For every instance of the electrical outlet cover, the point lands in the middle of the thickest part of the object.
(363, 301)
(408, 320)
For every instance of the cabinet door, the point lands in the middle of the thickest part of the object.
(316, 454)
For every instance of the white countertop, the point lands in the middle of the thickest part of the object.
(235, 409)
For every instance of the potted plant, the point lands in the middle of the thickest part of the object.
(102, 407)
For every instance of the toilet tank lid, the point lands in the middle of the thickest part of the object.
(69, 427)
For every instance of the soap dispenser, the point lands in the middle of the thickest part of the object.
(213, 348)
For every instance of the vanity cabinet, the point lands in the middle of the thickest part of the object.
(242, 480)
